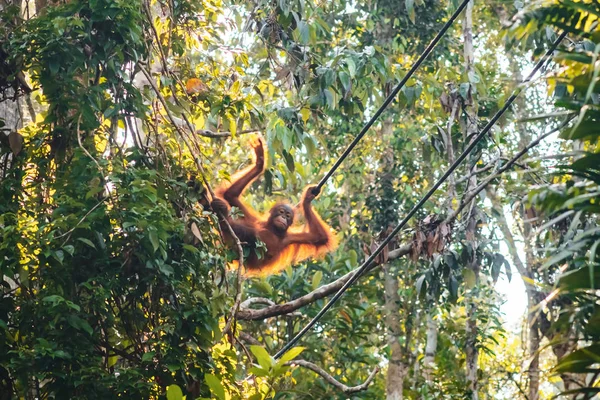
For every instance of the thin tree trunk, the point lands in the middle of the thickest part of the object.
(534, 347)
(471, 351)
(430, 347)
(10, 113)
(397, 369)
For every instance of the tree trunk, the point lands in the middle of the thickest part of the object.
(397, 369)
(534, 347)
(10, 113)
(430, 347)
(471, 351)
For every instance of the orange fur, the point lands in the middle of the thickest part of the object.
(222, 188)
(256, 226)
(293, 254)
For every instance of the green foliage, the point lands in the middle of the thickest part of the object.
(116, 281)
(572, 201)
(108, 296)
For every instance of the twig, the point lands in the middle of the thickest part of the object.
(224, 134)
(491, 164)
(245, 349)
(87, 153)
(331, 380)
(30, 108)
(80, 221)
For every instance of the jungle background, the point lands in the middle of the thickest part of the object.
(119, 117)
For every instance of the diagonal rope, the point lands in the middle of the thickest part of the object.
(392, 95)
(420, 204)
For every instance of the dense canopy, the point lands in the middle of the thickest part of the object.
(122, 278)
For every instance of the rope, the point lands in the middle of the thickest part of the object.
(392, 96)
(413, 211)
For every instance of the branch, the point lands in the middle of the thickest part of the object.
(491, 164)
(181, 123)
(330, 379)
(80, 221)
(510, 240)
(256, 300)
(211, 134)
(473, 193)
(249, 339)
(324, 291)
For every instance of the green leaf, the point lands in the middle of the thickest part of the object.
(580, 360)
(59, 255)
(69, 249)
(54, 299)
(258, 371)
(420, 286)
(410, 9)
(286, 139)
(80, 324)
(304, 33)
(72, 305)
(166, 269)
(469, 277)
(262, 356)
(556, 259)
(191, 249)
(291, 354)
(316, 280)
(351, 66)
(215, 386)
(345, 79)
(174, 393)
(353, 255)
(328, 98)
(53, 65)
(87, 241)
(474, 77)
(496, 266)
(148, 356)
(154, 240)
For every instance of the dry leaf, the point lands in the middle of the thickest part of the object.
(15, 140)
(196, 232)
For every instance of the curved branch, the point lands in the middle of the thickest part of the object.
(256, 300)
(331, 380)
(324, 291)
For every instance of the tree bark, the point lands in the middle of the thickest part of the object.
(397, 369)
(10, 113)
(430, 347)
(534, 348)
(471, 351)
